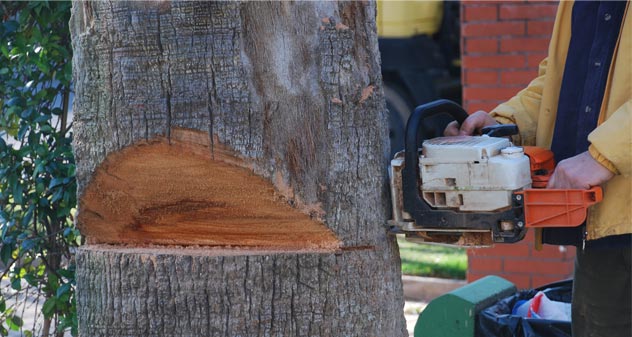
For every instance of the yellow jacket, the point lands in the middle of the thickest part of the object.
(534, 110)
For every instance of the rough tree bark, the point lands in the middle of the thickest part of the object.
(294, 89)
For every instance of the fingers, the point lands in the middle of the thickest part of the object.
(579, 172)
(475, 122)
(472, 125)
(452, 129)
(561, 179)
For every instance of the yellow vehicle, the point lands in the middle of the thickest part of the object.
(419, 44)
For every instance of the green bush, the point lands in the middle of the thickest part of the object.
(37, 183)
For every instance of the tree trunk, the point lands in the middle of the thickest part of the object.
(289, 91)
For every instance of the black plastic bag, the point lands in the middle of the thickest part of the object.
(497, 320)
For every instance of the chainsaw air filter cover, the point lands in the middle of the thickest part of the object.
(472, 173)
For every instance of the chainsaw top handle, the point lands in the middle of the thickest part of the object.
(415, 135)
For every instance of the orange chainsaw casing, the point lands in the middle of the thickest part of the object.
(542, 165)
(553, 207)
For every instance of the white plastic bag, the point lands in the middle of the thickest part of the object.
(542, 307)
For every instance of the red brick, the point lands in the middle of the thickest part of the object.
(533, 60)
(471, 277)
(482, 264)
(494, 61)
(480, 13)
(485, 45)
(474, 275)
(535, 267)
(493, 29)
(509, 11)
(489, 93)
(521, 281)
(473, 106)
(535, 28)
(517, 77)
(481, 77)
(523, 44)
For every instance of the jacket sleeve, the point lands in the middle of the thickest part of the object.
(523, 108)
(611, 142)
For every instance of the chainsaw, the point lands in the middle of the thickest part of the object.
(476, 190)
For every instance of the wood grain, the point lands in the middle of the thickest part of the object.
(173, 192)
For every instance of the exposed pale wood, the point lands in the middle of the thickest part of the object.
(160, 193)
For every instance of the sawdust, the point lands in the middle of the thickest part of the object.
(156, 193)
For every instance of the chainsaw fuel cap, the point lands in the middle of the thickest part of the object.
(512, 152)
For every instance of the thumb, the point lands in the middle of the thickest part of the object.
(468, 127)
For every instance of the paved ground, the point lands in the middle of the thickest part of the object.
(411, 312)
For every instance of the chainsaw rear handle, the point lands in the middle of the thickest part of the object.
(556, 207)
(415, 135)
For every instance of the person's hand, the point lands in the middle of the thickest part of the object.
(472, 125)
(579, 172)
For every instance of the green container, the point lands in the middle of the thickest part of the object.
(454, 314)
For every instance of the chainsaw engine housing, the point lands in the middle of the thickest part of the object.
(458, 190)
(468, 174)
(472, 174)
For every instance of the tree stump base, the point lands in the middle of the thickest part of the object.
(176, 292)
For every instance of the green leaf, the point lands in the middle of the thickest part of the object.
(17, 193)
(31, 280)
(46, 128)
(42, 118)
(43, 66)
(69, 274)
(4, 50)
(28, 216)
(16, 284)
(23, 129)
(56, 182)
(63, 289)
(15, 323)
(11, 26)
(48, 309)
(57, 195)
(26, 113)
(35, 72)
(29, 244)
(3, 305)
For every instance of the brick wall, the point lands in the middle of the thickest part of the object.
(502, 45)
